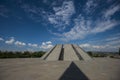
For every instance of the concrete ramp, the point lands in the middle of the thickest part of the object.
(54, 55)
(69, 53)
(47, 53)
(81, 52)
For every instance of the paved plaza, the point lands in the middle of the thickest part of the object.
(38, 69)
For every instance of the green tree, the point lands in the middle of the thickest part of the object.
(119, 51)
(90, 53)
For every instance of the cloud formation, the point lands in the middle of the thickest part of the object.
(10, 41)
(62, 15)
(90, 6)
(113, 9)
(86, 45)
(81, 23)
(105, 47)
(109, 44)
(46, 45)
(1, 39)
(28, 46)
(19, 43)
(85, 26)
(68, 20)
(32, 45)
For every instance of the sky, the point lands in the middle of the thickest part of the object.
(36, 25)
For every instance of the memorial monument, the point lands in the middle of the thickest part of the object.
(66, 52)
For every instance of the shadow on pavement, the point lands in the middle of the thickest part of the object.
(73, 73)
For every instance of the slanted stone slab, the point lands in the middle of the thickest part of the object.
(83, 54)
(47, 53)
(54, 55)
(69, 53)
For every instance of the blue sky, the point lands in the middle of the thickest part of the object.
(40, 24)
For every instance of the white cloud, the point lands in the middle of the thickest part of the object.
(81, 31)
(109, 12)
(62, 16)
(66, 10)
(110, 43)
(103, 25)
(1, 39)
(83, 27)
(19, 43)
(28, 46)
(46, 45)
(52, 20)
(114, 42)
(48, 42)
(83, 24)
(90, 6)
(113, 38)
(10, 41)
(74, 34)
(85, 45)
(32, 45)
(91, 47)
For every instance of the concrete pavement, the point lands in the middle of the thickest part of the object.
(37, 69)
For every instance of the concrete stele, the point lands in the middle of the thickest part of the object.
(69, 53)
(54, 55)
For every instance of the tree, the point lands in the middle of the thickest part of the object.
(119, 51)
(90, 53)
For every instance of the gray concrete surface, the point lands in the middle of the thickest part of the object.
(83, 54)
(37, 69)
(66, 52)
(47, 53)
(69, 53)
(54, 55)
